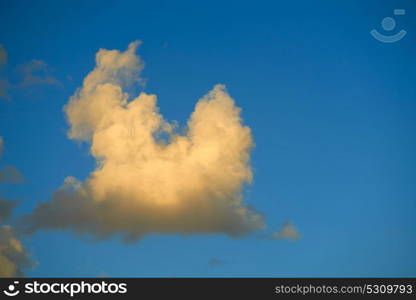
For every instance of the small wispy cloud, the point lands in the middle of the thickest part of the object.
(33, 73)
(103, 274)
(4, 87)
(215, 262)
(36, 72)
(4, 83)
(287, 231)
(10, 174)
(6, 208)
(1, 146)
(3, 55)
(14, 258)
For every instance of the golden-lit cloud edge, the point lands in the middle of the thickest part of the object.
(14, 258)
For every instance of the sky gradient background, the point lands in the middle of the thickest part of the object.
(332, 113)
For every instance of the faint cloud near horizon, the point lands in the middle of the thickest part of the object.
(215, 262)
(103, 274)
(288, 231)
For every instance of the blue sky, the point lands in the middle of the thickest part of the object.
(332, 113)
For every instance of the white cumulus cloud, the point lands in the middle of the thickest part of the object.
(188, 183)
